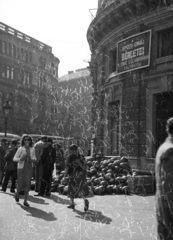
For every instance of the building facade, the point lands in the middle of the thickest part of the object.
(28, 77)
(74, 106)
(131, 67)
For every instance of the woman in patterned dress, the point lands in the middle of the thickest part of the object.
(76, 170)
(25, 156)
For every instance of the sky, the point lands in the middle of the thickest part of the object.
(61, 24)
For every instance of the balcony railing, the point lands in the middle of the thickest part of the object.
(24, 37)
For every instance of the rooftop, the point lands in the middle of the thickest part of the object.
(25, 37)
(83, 72)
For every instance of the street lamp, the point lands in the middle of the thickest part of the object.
(6, 111)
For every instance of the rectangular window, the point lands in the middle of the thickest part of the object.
(165, 43)
(8, 72)
(12, 51)
(8, 49)
(22, 57)
(4, 47)
(25, 78)
(28, 79)
(3, 71)
(12, 73)
(18, 53)
(112, 60)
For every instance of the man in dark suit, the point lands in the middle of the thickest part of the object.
(3, 148)
(47, 160)
(39, 145)
(164, 186)
(10, 168)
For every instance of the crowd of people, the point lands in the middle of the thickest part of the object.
(21, 162)
(24, 161)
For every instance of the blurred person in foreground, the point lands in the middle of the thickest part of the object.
(25, 156)
(47, 159)
(38, 146)
(164, 186)
(10, 168)
(76, 171)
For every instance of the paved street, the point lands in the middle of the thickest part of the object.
(111, 217)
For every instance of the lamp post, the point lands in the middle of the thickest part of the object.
(6, 111)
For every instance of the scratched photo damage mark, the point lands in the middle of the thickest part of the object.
(115, 109)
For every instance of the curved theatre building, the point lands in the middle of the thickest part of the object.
(132, 71)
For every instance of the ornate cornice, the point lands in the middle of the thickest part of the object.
(116, 14)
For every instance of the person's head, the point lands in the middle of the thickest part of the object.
(49, 141)
(57, 146)
(14, 143)
(169, 126)
(74, 149)
(44, 139)
(26, 141)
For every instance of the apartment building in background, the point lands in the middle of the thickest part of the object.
(28, 79)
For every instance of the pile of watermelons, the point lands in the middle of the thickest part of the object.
(109, 176)
(105, 176)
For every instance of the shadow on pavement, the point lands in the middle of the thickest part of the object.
(37, 200)
(8, 193)
(59, 200)
(93, 216)
(38, 213)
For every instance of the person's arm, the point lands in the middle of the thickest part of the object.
(8, 155)
(19, 156)
(33, 156)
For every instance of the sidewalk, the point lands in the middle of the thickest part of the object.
(111, 217)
